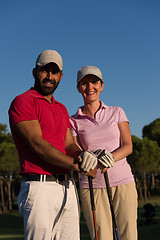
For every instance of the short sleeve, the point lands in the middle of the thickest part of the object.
(73, 127)
(122, 116)
(22, 109)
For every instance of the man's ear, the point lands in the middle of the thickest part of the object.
(61, 76)
(78, 88)
(34, 72)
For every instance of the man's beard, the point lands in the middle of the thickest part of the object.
(43, 89)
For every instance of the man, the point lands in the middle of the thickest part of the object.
(41, 131)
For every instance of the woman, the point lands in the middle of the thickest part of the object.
(98, 126)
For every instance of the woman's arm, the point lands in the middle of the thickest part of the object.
(125, 148)
(71, 145)
(125, 142)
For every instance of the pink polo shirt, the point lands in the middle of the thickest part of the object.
(102, 133)
(54, 121)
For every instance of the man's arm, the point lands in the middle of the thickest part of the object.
(32, 134)
(72, 149)
(73, 145)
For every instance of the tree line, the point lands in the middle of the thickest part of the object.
(145, 160)
(9, 169)
(145, 163)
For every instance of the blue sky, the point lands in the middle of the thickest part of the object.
(121, 37)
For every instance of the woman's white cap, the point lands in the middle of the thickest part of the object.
(87, 70)
(48, 56)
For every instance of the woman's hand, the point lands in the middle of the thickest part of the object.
(103, 169)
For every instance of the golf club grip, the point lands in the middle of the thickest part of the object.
(91, 192)
(110, 202)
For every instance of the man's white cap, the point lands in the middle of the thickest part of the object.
(82, 72)
(49, 56)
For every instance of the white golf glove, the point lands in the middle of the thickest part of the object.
(87, 161)
(105, 157)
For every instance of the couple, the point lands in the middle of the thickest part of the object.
(51, 146)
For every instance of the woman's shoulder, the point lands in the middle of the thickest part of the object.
(115, 111)
(78, 114)
(113, 108)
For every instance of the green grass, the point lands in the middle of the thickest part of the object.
(152, 231)
(84, 233)
(11, 225)
(145, 232)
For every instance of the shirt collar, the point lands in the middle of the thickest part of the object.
(80, 113)
(35, 94)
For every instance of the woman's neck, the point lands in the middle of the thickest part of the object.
(90, 109)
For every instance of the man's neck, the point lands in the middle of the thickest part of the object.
(48, 97)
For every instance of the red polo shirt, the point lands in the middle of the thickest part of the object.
(54, 121)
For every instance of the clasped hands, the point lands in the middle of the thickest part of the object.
(88, 161)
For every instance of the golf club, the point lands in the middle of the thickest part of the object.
(115, 231)
(92, 205)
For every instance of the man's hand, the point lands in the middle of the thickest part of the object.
(91, 173)
(87, 161)
(105, 157)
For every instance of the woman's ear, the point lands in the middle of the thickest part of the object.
(102, 86)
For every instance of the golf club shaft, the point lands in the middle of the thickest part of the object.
(92, 205)
(111, 207)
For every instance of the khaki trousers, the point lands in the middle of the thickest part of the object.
(125, 209)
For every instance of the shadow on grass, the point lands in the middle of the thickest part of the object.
(11, 223)
(84, 233)
(145, 231)
(148, 231)
(11, 226)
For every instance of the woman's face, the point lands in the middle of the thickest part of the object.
(90, 87)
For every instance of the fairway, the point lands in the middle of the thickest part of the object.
(11, 225)
(12, 236)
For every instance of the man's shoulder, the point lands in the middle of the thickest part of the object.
(24, 96)
(22, 100)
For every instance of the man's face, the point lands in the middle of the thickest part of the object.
(47, 78)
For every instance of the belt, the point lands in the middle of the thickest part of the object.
(47, 178)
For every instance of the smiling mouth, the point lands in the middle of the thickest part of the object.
(90, 93)
(48, 83)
